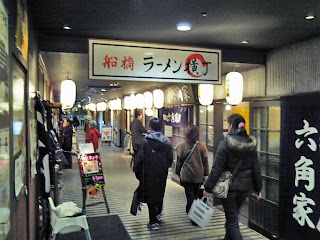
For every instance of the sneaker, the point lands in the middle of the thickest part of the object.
(159, 218)
(153, 227)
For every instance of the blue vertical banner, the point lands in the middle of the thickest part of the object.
(299, 197)
(175, 117)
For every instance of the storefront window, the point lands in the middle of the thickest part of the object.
(4, 128)
(266, 128)
(206, 125)
(242, 109)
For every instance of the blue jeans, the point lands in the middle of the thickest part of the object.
(231, 206)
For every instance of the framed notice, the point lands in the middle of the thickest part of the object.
(106, 133)
(90, 169)
(133, 61)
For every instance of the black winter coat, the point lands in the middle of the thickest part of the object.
(137, 131)
(67, 133)
(230, 152)
(151, 168)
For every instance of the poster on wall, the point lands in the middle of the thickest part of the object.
(175, 117)
(106, 132)
(4, 183)
(22, 31)
(134, 61)
(299, 202)
(4, 126)
(19, 174)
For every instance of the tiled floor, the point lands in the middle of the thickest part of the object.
(120, 185)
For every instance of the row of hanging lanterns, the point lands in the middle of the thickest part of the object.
(233, 88)
(140, 101)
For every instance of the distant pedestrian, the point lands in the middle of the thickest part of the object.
(88, 118)
(236, 148)
(151, 169)
(75, 122)
(67, 133)
(137, 131)
(93, 135)
(194, 169)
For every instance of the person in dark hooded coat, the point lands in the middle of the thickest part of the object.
(67, 133)
(154, 159)
(237, 146)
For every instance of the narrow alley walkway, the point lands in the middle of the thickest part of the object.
(120, 185)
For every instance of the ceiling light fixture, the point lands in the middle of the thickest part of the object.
(310, 17)
(204, 14)
(103, 90)
(66, 27)
(184, 27)
(244, 42)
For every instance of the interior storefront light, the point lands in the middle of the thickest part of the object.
(228, 107)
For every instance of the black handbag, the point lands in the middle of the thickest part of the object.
(135, 204)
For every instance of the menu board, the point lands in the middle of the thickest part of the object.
(90, 169)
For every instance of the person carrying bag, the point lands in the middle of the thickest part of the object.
(192, 164)
(237, 153)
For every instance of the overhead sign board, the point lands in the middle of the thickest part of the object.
(132, 61)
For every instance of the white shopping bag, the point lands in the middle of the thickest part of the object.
(200, 212)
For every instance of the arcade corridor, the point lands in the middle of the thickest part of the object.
(120, 185)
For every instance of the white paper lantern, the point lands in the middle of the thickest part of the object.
(205, 93)
(101, 106)
(68, 93)
(92, 107)
(133, 102)
(149, 112)
(148, 99)
(234, 88)
(140, 101)
(127, 103)
(118, 104)
(158, 98)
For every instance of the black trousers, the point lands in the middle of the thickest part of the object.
(154, 210)
(192, 191)
(231, 206)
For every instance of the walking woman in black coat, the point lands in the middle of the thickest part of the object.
(154, 159)
(67, 133)
(237, 146)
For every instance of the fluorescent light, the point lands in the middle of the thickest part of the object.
(244, 42)
(310, 17)
(103, 90)
(66, 27)
(184, 26)
(148, 53)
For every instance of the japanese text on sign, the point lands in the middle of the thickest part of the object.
(304, 172)
(153, 62)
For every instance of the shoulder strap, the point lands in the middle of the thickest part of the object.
(234, 171)
(187, 159)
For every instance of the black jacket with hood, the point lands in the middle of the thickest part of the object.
(230, 152)
(151, 167)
